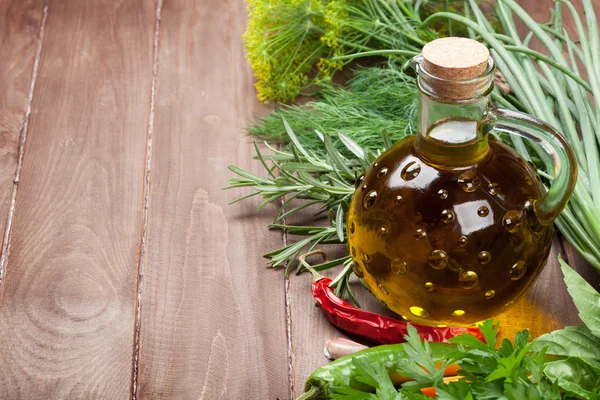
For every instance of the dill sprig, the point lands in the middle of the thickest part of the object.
(376, 100)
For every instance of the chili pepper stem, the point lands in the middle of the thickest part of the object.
(316, 276)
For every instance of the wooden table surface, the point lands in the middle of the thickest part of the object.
(123, 272)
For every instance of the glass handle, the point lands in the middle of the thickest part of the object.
(549, 206)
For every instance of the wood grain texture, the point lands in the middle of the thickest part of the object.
(20, 24)
(66, 321)
(547, 305)
(213, 318)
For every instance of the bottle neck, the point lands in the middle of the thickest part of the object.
(449, 132)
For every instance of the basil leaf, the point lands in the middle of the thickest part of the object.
(572, 341)
(573, 375)
(585, 297)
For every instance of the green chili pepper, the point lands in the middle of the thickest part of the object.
(341, 372)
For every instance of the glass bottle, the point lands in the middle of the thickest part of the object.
(451, 226)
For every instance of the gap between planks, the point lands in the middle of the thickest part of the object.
(288, 320)
(146, 198)
(21, 149)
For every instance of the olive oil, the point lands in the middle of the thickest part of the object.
(457, 248)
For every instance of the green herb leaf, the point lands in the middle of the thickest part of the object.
(352, 146)
(572, 341)
(574, 376)
(376, 376)
(483, 390)
(585, 297)
(339, 222)
(459, 390)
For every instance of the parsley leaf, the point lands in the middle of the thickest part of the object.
(459, 390)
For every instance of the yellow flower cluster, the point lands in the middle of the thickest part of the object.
(283, 43)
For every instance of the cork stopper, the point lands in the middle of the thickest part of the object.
(455, 58)
(455, 68)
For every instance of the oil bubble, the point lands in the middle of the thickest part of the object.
(367, 257)
(420, 234)
(484, 257)
(490, 293)
(483, 211)
(370, 199)
(512, 221)
(353, 251)
(468, 279)
(517, 271)
(419, 312)
(469, 181)
(410, 171)
(448, 216)
(382, 233)
(352, 228)
(398, 200)
(442, 194)
(462, 241)
(493, 189)
(398, 266)
(382, 172)
(438, 259)
(458, 313)
(429, 286)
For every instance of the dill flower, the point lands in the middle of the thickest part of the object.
(283, 42)
(286, 39)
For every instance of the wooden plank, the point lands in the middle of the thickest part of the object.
(213, 318)
(68, 304)
(20, 25)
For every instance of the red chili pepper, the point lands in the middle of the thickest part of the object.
(374, 327)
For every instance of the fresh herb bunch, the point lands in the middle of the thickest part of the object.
(553, 88)
(375, 100)
(285, 39)
(564, 364)
(300, 178)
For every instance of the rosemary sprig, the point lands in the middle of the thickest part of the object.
(299, 178)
